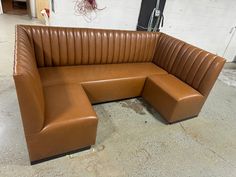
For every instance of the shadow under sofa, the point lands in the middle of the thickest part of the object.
(60, 72)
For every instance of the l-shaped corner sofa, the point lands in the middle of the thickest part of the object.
(60, 72)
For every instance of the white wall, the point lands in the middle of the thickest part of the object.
(33, 8)
(118, 14)
(204, 23)
(1, 8)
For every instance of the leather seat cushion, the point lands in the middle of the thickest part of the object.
(70, 122)
(66, 103)
(114, 89)
(103, 82)
(171, 97)
(85, 73)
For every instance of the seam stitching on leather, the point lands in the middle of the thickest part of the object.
(205, 71)
(50, 44)
(171, 56)
(67, 56)
(163, 47)
(156, 45)
(165, 53)
(195, 75)
(186, 61)
(42, 43)
(206, 74)
(59, 50)
(178, 53)
(182, 58)
(193, 64)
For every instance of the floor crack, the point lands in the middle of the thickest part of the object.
(207, 148)
(182, 127)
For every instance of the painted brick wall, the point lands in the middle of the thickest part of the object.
(204, 23)
(118, 14)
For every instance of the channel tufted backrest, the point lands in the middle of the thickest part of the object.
(194, 66)
(166, 52)
(28, 84)
(69, 46)
(197, 68)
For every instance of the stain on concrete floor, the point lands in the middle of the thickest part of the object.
(135, 105)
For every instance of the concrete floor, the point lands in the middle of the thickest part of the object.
(132, 139)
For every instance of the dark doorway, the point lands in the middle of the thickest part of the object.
(15, 7)
(145, 14)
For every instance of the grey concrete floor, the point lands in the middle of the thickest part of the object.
(132, 139)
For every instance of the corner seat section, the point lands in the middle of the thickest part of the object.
(70, 122)
(172, 98)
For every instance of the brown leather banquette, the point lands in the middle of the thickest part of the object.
(59, 72)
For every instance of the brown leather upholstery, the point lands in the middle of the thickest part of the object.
(70, 122)
(87, 73)
(59, 71)
(173, 99)
(28, 84)
(190, 65)
(119, 80)
(197, 68)
(166, 51)
(74, 46)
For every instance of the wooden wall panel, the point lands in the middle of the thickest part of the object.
(40, 5)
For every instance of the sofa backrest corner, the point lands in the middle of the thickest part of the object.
(27, 82)
(198, 68)
(211, 76)
(167, 49)
(194, 66)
